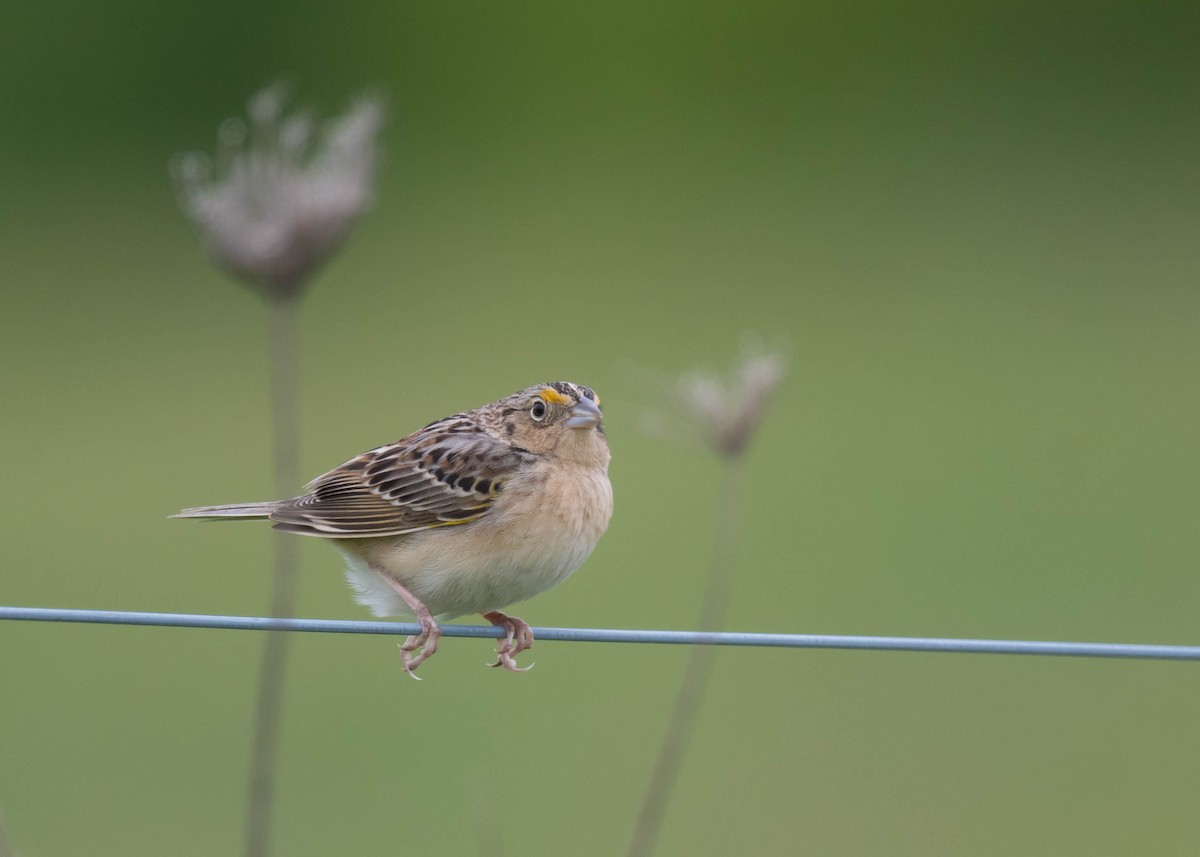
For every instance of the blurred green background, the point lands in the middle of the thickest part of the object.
(973, 226)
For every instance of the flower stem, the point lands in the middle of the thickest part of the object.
(6, 850)
(692, 689)
(285, 420)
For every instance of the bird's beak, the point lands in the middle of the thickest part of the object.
(584, 415)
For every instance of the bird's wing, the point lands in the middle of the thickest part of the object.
(429, 479)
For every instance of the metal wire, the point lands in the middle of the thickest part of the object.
(613, 635)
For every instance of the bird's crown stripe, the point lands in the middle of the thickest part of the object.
(551, 395)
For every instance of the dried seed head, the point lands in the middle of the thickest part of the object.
(282, 193)
(729, 410)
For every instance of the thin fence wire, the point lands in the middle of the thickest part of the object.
(616, 635)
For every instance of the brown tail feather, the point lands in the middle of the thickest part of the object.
(232, 512)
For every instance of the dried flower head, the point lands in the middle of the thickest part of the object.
(728, 410)
(282, 192)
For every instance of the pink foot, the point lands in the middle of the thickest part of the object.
(518, 637)
(425, 643)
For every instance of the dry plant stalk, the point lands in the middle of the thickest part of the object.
(279, 198)
(728, 413)
(6, 849)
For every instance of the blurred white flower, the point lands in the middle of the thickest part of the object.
(728, 410)
(282, 193)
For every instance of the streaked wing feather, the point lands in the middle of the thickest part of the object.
(439, 476)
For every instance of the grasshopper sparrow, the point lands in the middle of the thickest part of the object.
(471, 513)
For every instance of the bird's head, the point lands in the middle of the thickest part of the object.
(558, 418)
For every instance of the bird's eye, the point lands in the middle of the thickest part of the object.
(538, 411)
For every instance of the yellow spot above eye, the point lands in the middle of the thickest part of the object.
(551, 395)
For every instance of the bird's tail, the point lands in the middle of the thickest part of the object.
(232, 512)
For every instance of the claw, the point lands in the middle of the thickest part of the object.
(509, 664)
(404, 658)
(518, 637)
(425, 643)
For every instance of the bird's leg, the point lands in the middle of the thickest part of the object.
(518, 637)
(425, 643)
